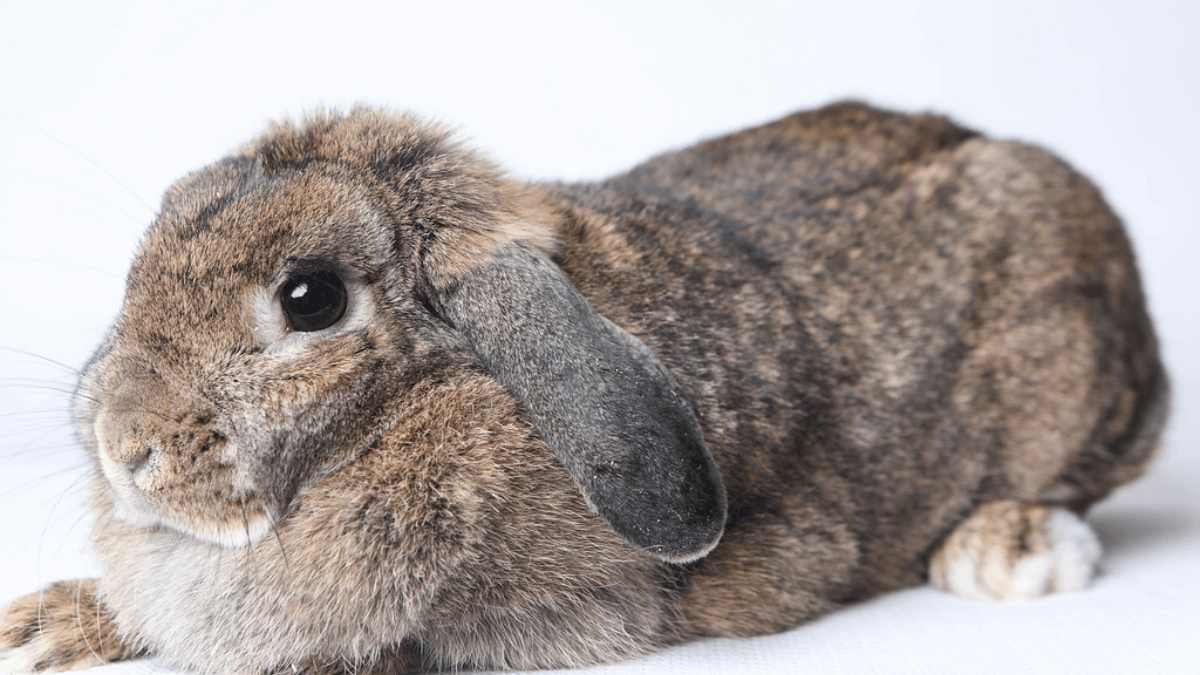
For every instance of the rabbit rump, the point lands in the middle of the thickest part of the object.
(372, 406)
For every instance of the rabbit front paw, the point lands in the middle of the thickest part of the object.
(62, 627)
(1008, 550)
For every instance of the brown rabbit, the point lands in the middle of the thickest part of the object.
(370, 406)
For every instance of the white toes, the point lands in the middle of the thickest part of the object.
(1011, 551)
(23, 659)
(1065, 564)
(19, 661)
(1076, 550)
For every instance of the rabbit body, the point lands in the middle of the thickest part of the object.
(864, 325)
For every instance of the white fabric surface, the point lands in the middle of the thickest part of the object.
(102, 106)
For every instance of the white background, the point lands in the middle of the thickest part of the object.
(103, 105)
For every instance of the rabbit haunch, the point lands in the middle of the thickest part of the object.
(556, 425)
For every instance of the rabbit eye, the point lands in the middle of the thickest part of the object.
(313, 300)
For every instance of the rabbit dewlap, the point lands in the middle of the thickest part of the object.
(372, 406)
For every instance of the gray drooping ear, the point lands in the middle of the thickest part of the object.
(610, 411)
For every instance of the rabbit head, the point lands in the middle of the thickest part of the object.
(284, 296)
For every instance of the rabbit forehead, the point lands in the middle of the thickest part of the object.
(450, 206)
(235, 222)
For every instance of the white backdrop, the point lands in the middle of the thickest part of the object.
(102, 105)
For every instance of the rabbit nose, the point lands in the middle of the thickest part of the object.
(138, 462)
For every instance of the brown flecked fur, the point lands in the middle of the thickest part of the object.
(70, 625)
(879, 322)
(1004, 531)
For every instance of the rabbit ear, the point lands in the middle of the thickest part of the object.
(609, 410)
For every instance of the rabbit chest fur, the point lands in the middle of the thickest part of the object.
(508, 425)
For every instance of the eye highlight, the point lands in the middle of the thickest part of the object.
(313, 300)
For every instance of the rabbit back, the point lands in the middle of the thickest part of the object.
(883, 320)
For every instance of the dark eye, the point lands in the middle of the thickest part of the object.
(313, 300)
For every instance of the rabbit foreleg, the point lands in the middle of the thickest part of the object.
(65, 626)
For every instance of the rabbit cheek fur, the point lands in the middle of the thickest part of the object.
(870, 323)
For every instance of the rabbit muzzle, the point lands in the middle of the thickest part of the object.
(169, 466)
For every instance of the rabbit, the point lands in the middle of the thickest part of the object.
(372, 406)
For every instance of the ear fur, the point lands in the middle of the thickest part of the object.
(607, 407)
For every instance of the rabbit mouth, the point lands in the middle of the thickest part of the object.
(241, 524)
(204, 502)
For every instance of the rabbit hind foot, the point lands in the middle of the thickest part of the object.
(1011, 551)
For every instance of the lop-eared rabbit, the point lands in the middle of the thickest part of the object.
(371, 406)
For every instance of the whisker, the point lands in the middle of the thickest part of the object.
(72, 528)
(59, 410)
(79, 618)
(23, 422)
(100, 631)
(78, 372)
(61, 263)
(47, 441)
(287, 567)
(251, 567)
(35, 483)
(287, 573)
(73, 192)
(40, 385)
(246, 527)
(55, 513)
(55, 440)
(82, 156)
(52, 390)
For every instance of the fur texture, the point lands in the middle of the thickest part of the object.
(826, 342)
